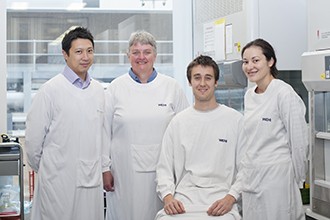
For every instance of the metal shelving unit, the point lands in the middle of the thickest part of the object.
(316, 78)
(11, 164)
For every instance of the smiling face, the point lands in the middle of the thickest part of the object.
(203, 84)
(142, 58)
(256, 67)
(80, 56)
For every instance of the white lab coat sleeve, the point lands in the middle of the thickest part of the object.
(107, 130)
(236, 188)
(38, 122)
(181, 99)
(165, 173)
(292, 112)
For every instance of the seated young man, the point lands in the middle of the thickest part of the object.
(200, 153)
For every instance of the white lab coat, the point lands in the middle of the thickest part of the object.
(63, 145)
(137, 116)
(276, 160)
(199, 160)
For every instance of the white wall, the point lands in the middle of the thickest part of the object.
(182, 42)
(318, 24)
(284, 24)
(3, 65)
(234, 14)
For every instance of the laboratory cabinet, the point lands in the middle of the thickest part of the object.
(316, 78)
(11, 184)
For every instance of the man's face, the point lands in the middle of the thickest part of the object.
(80, 57)
(203, 83)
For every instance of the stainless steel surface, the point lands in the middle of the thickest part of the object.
(316, 78)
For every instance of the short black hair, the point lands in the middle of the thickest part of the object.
(204, 61)
(78, 32)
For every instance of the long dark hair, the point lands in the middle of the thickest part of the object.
(267, 50)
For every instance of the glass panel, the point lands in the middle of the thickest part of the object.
(322, 111)
(9, 196)
(327, 110)
(34, 52)
(231, 97)
(293, 77)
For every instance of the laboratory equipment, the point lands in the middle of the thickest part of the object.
(316, 78)
(231, 74)
(12, 194)
(232, 84)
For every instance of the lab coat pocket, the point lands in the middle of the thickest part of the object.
(205, 182)
(252, 179)
(145, 157)
(89, 173)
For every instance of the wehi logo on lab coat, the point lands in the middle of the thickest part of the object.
(223, 140)
(267, 119)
